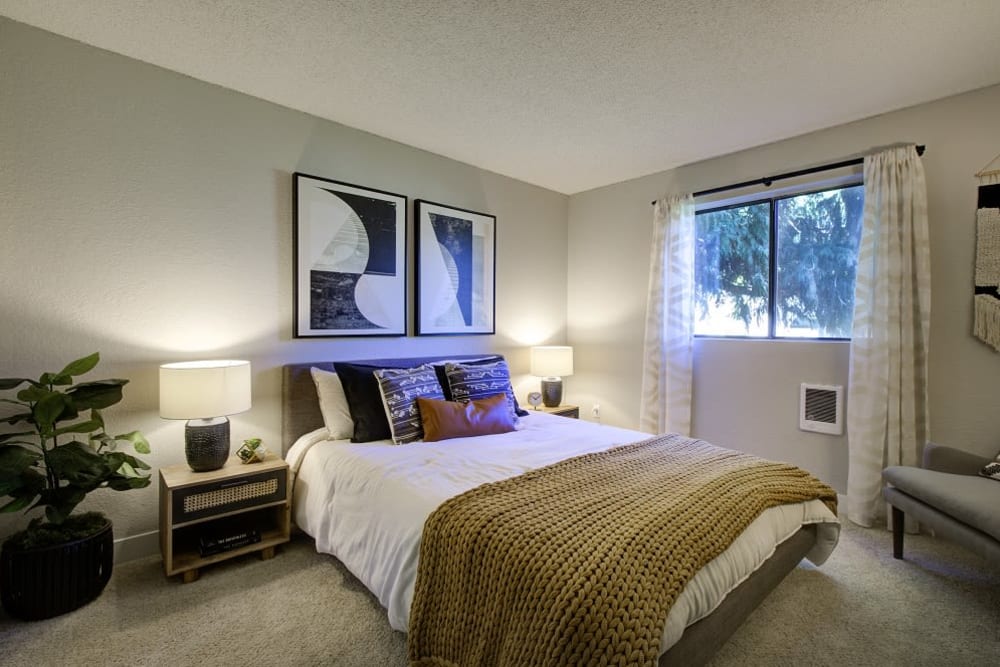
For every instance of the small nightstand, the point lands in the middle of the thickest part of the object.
(563, 411)
(208, 517)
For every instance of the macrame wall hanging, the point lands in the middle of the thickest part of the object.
(987, 296)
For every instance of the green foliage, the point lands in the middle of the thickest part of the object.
(731, 261)
(53, 454)
(40, 534)
(817, 243)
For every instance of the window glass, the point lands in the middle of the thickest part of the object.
(731, 271)
(806, 290)
(817, 250)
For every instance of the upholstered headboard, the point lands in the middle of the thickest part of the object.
(300, 405)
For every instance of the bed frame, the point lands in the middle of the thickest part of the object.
(300, 414)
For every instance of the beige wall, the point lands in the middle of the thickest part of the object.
(746, 392)
(148, 216)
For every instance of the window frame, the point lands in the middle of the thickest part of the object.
(772, 252)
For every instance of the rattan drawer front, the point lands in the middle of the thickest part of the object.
(227, 495)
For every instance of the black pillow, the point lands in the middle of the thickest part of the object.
(446, 386)
(364, 400)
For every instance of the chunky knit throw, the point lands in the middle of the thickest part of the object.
(578, 563)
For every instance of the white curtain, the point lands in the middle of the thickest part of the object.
(667, 352)
(887, 420)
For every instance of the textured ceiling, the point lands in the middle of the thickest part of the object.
(569, 95)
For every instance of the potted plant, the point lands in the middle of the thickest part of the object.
(54, 450)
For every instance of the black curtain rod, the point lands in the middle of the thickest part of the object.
(767, 180)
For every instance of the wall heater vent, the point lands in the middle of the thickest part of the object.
(821, 408)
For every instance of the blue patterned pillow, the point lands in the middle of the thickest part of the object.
(474, 381)
(400, 388)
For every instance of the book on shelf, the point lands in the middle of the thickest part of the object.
(214, 544)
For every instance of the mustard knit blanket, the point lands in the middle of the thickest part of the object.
(578, 563)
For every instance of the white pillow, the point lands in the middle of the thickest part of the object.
(333, 404)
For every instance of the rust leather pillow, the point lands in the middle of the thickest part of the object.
(452, 419)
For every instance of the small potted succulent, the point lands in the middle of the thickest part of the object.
(54, 450)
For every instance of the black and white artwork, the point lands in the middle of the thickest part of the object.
(456, 256)
(350, 259)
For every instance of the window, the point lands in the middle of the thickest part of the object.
(782, 267)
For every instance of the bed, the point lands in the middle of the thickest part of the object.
(366, 504)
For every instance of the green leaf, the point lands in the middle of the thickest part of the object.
(88, 426)
(10, 436)
(18, 503)
(99, 394)
(54, 379)
(11, 383)
(34, 393)
(79, 465)
(138, 441)
(60, 503)
(126, 483)
(103, 440)
(28, 484)
(82, 365)
(96, 415)
(48, 410)
(15, 460)
(134, 463)
(19, 417)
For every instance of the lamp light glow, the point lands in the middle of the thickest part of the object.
(552, 363)
(205, 393)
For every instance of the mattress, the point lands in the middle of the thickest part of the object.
(366, 504)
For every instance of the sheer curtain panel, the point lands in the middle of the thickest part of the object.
(668, 347)
(887, 420)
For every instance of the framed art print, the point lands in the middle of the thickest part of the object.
(456, 270)
(350, 259)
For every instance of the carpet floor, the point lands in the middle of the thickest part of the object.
(940, 606)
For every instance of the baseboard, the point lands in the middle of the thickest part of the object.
(137, 546)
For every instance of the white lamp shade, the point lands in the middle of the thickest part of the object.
(204, 389)
(552, 360)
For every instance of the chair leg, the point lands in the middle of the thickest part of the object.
(897, 532)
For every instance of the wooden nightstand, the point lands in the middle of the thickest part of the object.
(563, 410)
(207, 517)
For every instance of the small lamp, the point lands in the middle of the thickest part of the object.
(551, 362)
(205, 392)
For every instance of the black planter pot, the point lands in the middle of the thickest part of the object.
(47, 581)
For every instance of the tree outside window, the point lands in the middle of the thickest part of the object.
(812, 268)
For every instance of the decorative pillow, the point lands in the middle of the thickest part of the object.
(442, 420)
(400, 388)
(992, 470)
(333, 404)
(471, 381)
(439, 368)
(364, 401)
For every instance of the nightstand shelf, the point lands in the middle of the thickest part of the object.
(563, 410)
(230, 503)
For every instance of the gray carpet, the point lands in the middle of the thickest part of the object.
(941, 606)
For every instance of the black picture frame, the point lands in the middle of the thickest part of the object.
(455, 270)
(349, 258)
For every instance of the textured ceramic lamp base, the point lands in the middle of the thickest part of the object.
(552, 393)
(206, 443)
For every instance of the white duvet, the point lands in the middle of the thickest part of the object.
(366, 504)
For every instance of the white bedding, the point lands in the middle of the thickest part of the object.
(366, 504)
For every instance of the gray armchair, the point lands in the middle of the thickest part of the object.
(950, 496)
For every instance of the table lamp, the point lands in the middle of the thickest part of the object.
(551, 362)
(205, 393)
